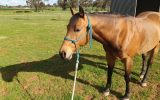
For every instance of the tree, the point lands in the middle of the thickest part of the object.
(101, 3)
(106, 3)
(86, 3)
(63, 4)
(42, 5)
(59, 2)
(54, 5)
(74, 3)
(35, 4)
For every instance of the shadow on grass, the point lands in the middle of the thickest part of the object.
(59, 19)
(21, 19)
(57, 67)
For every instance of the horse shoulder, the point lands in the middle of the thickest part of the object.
(128, 41)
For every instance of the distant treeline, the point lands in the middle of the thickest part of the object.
(39, 5)
(102, 4)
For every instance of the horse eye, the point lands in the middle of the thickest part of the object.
(77, 30)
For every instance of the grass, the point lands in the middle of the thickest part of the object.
(32, 69)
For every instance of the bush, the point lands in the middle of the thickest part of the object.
(27, 11)
(19, 11)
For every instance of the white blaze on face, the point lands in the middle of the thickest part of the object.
(68, 52)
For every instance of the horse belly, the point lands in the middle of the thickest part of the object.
(151, 40)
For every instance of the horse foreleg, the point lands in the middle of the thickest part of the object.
(111, 63)
(149, 64)
(127, 76)
(144, 65)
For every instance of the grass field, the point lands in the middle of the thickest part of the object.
(31, 68)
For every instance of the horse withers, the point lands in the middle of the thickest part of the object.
(122, 38)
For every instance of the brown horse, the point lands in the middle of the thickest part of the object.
(122, 38)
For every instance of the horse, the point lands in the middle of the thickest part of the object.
(122, 37)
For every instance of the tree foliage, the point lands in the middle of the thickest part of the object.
(74, 3)
(63, 4)
(101, 3)
(37, 4)
(85, 3)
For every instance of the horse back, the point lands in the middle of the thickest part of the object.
(152, 16)
(142, 33)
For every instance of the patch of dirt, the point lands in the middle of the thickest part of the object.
(110, 97)
(88, 98)
(3, 91)
(38, 91)
(136, 88)
(152, 89)
(30, 80)
(79, 88)
(158, 91)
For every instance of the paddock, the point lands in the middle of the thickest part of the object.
(30, 67)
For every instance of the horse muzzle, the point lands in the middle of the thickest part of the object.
(65, 55)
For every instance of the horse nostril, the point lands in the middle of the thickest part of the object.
(63, 54)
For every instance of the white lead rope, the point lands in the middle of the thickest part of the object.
(75, 77)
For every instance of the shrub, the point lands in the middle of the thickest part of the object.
(19, 11)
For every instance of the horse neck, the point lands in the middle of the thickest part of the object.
(103, 27)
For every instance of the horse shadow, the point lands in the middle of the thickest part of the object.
(57, 67)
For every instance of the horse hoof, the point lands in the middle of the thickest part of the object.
(143, 84)
(106, 93)
(141, 76)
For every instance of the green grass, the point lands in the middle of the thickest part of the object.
(32, 69)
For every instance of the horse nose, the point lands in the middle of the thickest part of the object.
(62, 54)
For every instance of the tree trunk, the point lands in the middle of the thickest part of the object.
(36, 8)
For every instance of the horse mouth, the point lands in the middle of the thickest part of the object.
(69, 58)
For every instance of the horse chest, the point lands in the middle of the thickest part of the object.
(114, 51)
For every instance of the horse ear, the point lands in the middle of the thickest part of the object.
(81, 11)
(71, 10)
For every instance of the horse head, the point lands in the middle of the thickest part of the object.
(77, 34)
